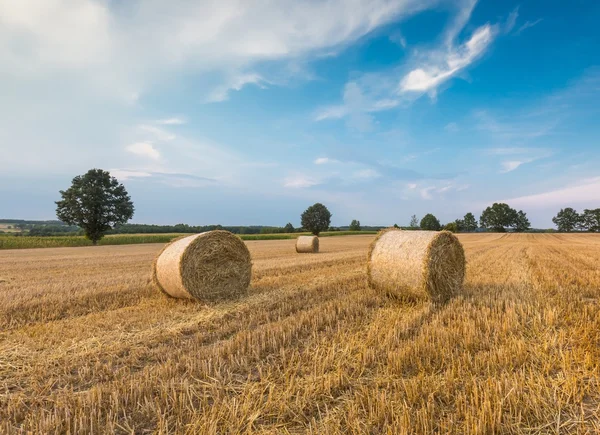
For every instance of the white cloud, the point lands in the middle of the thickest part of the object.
(126, 174)
(221, 93)
(356, 105)
(125, 49)
(325, 160)
(365, 174)
(511, 165)
(143, 149)
(528, 24)
(585, 192)
(424, 72)
(171, 121)
(300, 182)
(157, 133)
(441, 67)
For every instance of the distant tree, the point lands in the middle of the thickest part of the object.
(430, 222)
(469, 223)
(96, 202)
(316, 218)
(498, 217)
(590, 220)
(396, 226)
(522, 223)
(414, 222)
(452, 227)
(289, 228)
(354, 225)
(567, 220)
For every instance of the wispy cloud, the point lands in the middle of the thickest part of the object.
(171, 121)
(443, 66)
(515, 157)
(584, 192)
(325, 160)
(236, 83)
(300, 182)
(143, 149)
(424, 71)
(528, 24)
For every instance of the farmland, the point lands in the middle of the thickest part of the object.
(87, 345)
(32, 242)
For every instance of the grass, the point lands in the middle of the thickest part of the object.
(27, 242)
(87, 345)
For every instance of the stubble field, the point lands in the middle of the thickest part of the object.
(87, 345)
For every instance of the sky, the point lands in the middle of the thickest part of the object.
(247, 112)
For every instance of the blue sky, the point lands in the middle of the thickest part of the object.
(247, 112)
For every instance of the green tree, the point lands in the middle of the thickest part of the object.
(452, 227)
(590, 220)
(396, 226)
(498, 217)
(316, 218)
(430, 222)
(289, 228)
(414, 222)
(354, 225)
(522, 223)
(567, 220)
(96, 202)
(469, 223)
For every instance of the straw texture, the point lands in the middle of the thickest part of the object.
(417, 264)
(307, 244)
(208, 267)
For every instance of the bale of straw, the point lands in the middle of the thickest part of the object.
(208, 267)
(307, 244)
(416, 264)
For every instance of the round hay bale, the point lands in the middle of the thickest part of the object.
(307, 244)
(416, 264)
(208, 267)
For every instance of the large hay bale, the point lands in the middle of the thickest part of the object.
(307, 244)
(209, 267)
(416, 264)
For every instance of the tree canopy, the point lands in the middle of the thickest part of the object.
(498, 217)
(469, 223)
(354, 225)
(95, 202)
(430, 222)
(316, 218)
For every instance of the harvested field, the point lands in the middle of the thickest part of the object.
(87, 345)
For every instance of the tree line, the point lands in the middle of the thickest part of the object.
(97, 204)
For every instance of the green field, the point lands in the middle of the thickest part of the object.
(8, 241)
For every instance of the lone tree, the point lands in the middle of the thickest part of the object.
(316, 218)
(354, 225)
(289, 228)
(96, 202)
(567, 220)
(498, 217)
(521, 223)
(430, 222)
(414, 222)
(591, 220)
(469, 223)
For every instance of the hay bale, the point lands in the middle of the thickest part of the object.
(209, 267)
(416, 264)
(307, 244)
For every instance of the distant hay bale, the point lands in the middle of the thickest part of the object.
(307, 244)
(416, 264)
(209, 267)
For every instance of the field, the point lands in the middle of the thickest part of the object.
(88, 346)
(32, 242)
